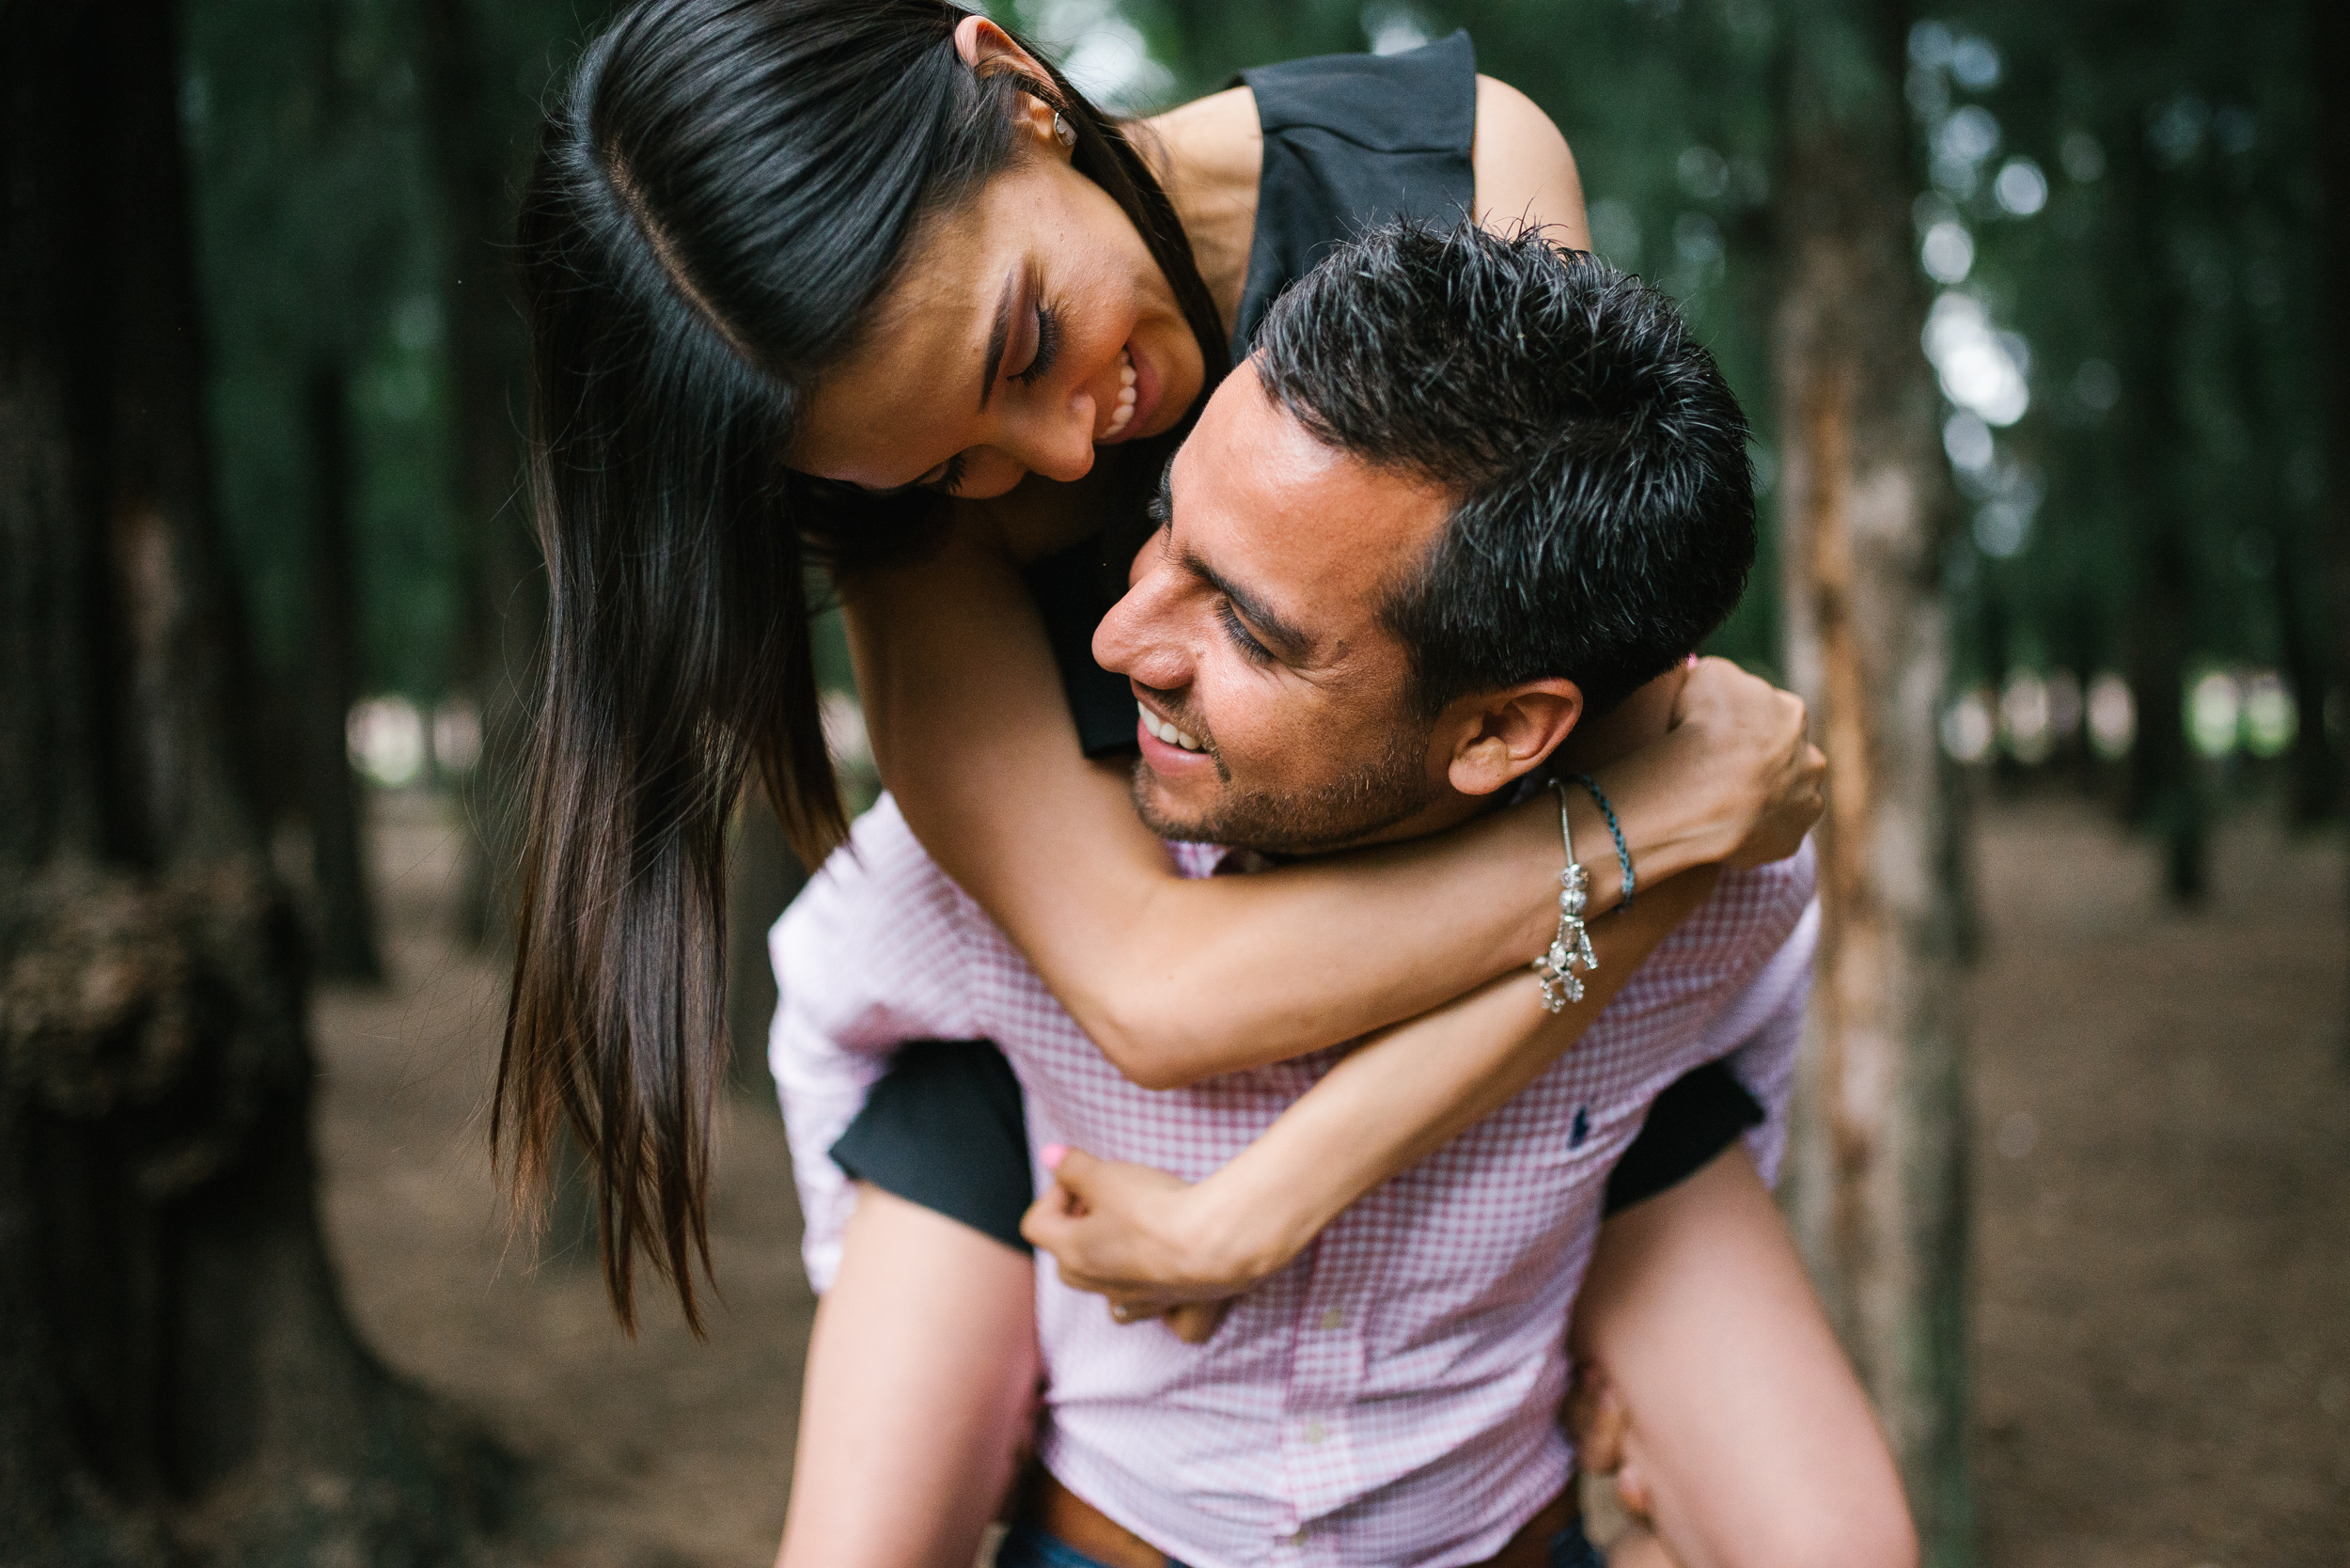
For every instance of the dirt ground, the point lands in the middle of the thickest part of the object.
(2162, 1228)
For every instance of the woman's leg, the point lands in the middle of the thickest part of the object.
(920, 1397)
(1718, 1394)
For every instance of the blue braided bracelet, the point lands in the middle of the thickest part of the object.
(1623, 851)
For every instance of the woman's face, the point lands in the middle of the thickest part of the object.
(1008, 342)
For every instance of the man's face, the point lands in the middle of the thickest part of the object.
(1251, 631)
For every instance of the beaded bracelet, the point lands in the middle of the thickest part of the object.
(1573, 945)
(1623, 851)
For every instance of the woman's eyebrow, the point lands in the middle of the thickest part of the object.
(998, 334)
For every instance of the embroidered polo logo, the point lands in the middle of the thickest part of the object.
(1582, 1128)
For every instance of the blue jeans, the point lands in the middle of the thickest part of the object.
(1028, 1547)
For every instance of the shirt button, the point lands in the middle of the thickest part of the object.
(1333, 1318)
(1314, 1432)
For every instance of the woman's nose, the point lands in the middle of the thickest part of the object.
(1059, 445)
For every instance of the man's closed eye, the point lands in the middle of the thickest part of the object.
(1250, 648)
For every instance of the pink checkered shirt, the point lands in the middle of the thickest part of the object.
(1388, 1398)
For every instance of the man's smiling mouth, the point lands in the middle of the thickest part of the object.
(1167, 731)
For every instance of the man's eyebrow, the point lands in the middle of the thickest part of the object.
(997, 336)
(1286, 638)
(1162, 507)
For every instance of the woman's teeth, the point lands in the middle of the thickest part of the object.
(1125, 409)
(1167, 731)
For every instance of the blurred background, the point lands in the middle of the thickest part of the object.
(2082, 269)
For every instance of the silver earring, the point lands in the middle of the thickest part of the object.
(1063, 132)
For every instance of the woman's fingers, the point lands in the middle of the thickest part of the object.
(1759, 734)
(1595, 1418)
(1195, 1322)
(1106, 1224)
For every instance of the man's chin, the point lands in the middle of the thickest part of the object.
(1161, 816)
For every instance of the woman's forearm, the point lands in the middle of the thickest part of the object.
(1412, 1089)
(1144, 1238)
(1177, 979)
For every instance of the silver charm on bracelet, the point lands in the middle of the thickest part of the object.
(1572, 947)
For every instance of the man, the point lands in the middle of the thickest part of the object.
(1465, 504)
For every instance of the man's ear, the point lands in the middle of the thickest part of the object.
(1498, 737)
(985, 46)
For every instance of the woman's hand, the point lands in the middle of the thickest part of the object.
(1736, 782)
(1748, 723)
(1146, 1241)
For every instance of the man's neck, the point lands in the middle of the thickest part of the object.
(1642, 717)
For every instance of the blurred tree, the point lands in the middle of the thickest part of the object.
(2328, 59)
(346, 946)
(1878, 1184)
(305, 252)
(2165, 791)
(177, 1381)
(474, 150)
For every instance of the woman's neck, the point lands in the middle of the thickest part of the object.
(1208, 155)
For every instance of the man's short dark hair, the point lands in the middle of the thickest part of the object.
(1603, 520)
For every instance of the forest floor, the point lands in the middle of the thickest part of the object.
(2162, 1227)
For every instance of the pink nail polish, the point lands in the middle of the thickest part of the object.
(1052, 1154)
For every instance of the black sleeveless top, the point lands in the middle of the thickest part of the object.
(1350, 140)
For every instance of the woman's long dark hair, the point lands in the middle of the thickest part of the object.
(723, 193)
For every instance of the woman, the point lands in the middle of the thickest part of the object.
(872, 278)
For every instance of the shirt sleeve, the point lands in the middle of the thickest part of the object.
(821, 1085)
(1764, 1061)
(870, 955)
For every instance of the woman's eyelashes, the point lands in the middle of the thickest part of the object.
(1047, 345)
(949, 477)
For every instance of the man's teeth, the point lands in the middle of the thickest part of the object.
(1165, 731)
(1125, 409)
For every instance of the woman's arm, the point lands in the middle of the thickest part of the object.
(1149, 1241)
(1178, 980)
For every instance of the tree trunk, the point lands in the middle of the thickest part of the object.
(2329, 57)
(2259, 462)
(1877, 1188)
(503, 597)
(345, 947)
(177, 1380)
(2166, 795)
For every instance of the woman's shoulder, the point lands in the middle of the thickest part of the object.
(1212, 144)
(1525, 170)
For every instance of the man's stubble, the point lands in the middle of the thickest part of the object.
(1375, 796)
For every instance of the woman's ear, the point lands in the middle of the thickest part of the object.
(983, 46)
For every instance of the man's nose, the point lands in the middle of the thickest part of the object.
(1138, 640)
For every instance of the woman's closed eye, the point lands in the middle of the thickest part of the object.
(1048, 335)
(948, 476)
